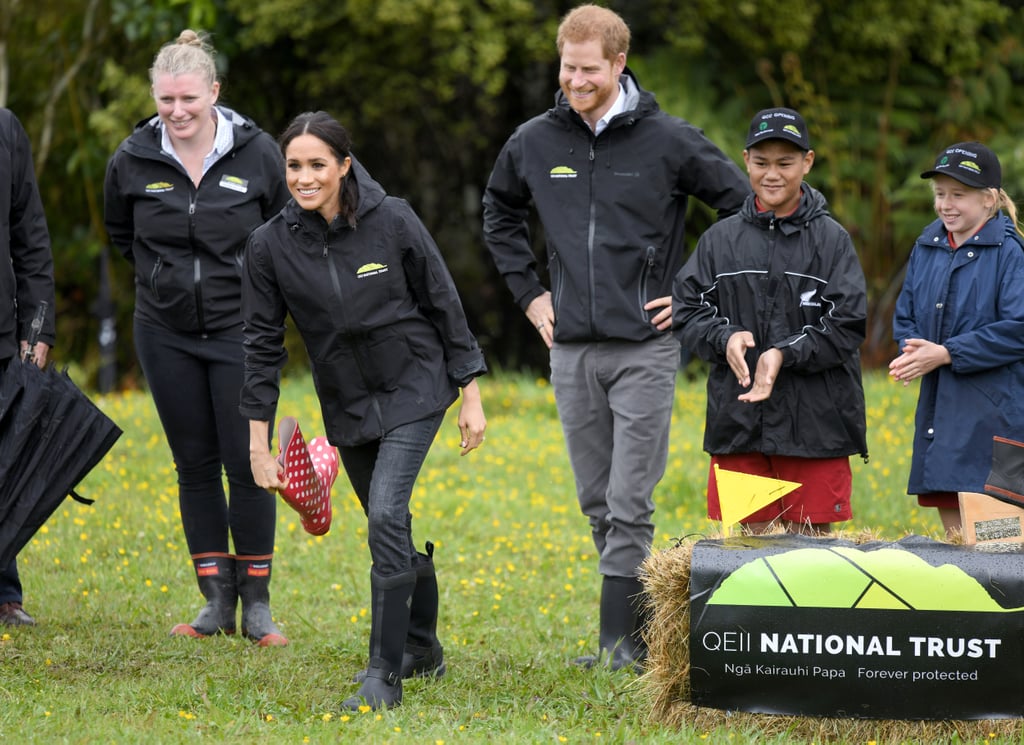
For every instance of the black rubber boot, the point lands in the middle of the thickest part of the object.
(391, 597)
(253, 573)
(216, 577)
(623, 617)
(424, 655)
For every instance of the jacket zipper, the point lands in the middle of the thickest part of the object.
(336, 283)
(591, 233)
(773, 288)
(197, 272)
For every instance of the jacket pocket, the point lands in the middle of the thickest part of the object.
(645, 273)
(154, 276)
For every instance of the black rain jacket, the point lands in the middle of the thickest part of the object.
(376, 307)
(186, 242)
(612, 208)
(26, 261)
(796, 284)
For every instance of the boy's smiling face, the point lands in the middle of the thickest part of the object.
(776, 169)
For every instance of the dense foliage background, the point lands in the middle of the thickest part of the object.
(430, 90)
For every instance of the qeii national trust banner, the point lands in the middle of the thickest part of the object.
(914, 629)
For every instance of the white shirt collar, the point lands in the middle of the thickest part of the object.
(617, 108)
(222, 142)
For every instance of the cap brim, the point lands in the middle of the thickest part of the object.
(955, 177)
(777, 138)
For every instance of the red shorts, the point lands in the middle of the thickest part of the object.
(949, 500)
(824, 496)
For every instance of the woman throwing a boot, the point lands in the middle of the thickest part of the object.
(182, 194)
(369, 292)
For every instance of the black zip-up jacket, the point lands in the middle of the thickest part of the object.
(186, 242)
(612, 208)
(796, 284)
(376, 307)
(26, 262)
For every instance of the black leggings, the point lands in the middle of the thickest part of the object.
(195, 382)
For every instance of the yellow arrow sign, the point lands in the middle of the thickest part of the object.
(741, 495)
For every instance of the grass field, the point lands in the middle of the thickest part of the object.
(519, 592)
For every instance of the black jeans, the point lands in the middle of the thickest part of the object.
(383, 474)
(195, 382)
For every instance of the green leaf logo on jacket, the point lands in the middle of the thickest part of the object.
(562, 172)
(369, 270)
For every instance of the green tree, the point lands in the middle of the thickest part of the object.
(883, 87)
(430, 90)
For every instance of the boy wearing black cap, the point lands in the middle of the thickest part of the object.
(959, 323)
(775, 300)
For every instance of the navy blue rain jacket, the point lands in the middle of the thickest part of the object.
(970, 300)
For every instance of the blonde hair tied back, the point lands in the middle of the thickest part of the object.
(189, 53)
(1006, 204)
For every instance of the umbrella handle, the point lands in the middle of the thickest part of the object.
(35, 330)
(79, 498)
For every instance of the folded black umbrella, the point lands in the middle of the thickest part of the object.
(51, 436)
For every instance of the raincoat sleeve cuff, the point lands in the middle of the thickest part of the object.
(462, 374)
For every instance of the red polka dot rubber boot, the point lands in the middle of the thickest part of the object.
(311, 471)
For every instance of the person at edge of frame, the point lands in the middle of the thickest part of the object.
(959, 325)
(27, 284)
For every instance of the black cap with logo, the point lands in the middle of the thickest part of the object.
(970, 163)
(778, 124)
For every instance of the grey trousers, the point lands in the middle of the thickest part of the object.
(614, 400)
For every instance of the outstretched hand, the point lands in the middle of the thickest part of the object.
(767, 372)
(472, 422)
(736, 355)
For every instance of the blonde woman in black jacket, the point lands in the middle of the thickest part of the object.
(390, 347)
(182, 194)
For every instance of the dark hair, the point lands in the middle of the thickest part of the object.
(328, 130)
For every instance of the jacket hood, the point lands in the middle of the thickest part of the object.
(146, 136)
(638, 101)
(812, 205)
(371, 194)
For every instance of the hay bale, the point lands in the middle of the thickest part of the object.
(666, 684)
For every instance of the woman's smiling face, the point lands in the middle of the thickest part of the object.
(314, 175)
(184, 103)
